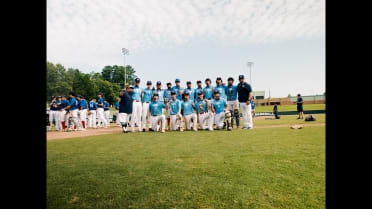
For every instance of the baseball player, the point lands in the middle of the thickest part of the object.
(73, 110)
(52, 113)
(92, 114)
(100, 111)
(63, 112)
(198, 89)
(232, 101)
(146, 99)
(174, 110)
(220, 87)
(161, 97)
(188, 112)
(106, 111)
(83, 106)
(220, 108)
(117, 111)
(244, 97)
(125, 107)
(208, 90)
(178, 89)
(190, 90)
(156, 113)
(253, 105)
(167, 94)
(57, 111)
(202, 108)
(137, 105)
(300, 108)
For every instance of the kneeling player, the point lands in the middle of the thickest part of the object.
(174, 111)
(220, 108)
(156, 112)
(188, 112)
(202, 107)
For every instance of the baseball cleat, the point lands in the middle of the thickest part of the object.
(229, 129)
(162, 130)
(143, 130)
(150, 129)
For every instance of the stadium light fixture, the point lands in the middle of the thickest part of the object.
(250, 65)
(125, 52)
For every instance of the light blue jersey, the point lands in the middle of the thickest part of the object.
(92, 106)
(83, 104)
(201, 106)
(174, 107)
(161, 95)
(156, 108)
(136, 95)
(231, 93)
(147, 94)
(100, 101)
(219, 105)
(192, 94)
(222, 90)
(196, 91)
(186, 106)
(177, 89)
(74, 103)
(208, 92)
(167, 94)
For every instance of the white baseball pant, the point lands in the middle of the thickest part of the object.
(219, 119)
(74, 115)
(188, 121)
(83, 116)
(247, 114)
(117, 117)
(136, 115)
(92, 119)
(58, 120)
(206, 117)
(233, 105)
(175, 121)
(145, 108)
(52, 115)
(107, 116)
(156, 119)
(101, 117)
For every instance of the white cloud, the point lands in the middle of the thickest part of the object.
(95, 28)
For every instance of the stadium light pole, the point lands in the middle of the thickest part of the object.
(125, 52)
(250, 65)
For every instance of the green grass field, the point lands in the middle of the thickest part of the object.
(258, 168)
(282, 108)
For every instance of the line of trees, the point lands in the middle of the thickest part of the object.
(110, 81)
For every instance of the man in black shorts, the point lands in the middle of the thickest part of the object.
(300, 108)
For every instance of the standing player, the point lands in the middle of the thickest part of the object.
(137, 105)
(83, 105)
(178, 89)
(156, 113)
(232, 101)
(52, 113)
(92, 114)
(146, 99)
(125, 107)
(188, 112)
(73, 109)
(117, 105)
(57, 109)
(100, 111)
(220, 88)
(190, 90)
(220, 108)
(208, 90)
(174, 112)
(202, 108)
(253, 104)
(300, 108)
(106, 111)
(167, 94)
(244, 97)
(63, 112)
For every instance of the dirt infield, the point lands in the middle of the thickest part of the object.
(115, 129)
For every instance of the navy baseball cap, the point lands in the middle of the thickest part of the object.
(241, 76)
(169, 83)
(178, 80)
(53, 97)
(219, 78)
(208, 79)
(137, 80)
(216, 92)
(173, 92)
(149, 83)
(199, 81)
(155, 94)
(158, 83)
(230, 79)
(188, 82)
(100, 93)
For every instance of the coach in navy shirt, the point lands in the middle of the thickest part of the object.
(125, 107)
(244, 97)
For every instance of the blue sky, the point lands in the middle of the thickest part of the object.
(193, 40)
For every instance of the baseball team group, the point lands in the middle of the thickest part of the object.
(201, 108)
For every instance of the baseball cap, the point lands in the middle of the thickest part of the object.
(241, 76)
(198, 81)
(230, 79)
(100, 93)
(216, 92)
(219, 78)
(186, 93)
(200, 93)
(131, 86)
(169, 83)
(208, 79)
(178, 80)
(71, 93)
(137, 80)
(59, 97)
(155, 94)
(173, 92)
(188, 82)
(149, 82)
(158, 83)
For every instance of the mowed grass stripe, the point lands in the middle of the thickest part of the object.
(259, 168)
